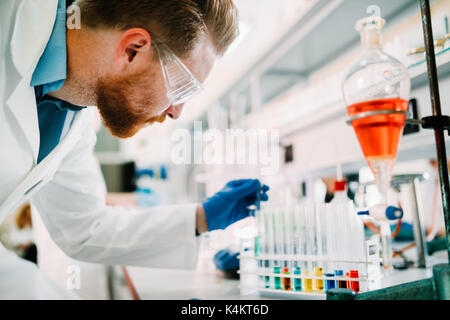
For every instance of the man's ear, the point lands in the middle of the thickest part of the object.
(133, 42)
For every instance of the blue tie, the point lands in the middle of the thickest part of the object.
(52, 114)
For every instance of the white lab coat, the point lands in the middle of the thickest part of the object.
(67, 187)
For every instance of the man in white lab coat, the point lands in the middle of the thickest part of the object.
(137, 62)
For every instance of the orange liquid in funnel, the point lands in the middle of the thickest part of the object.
(379, 135)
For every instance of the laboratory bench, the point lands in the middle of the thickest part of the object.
(206, 283)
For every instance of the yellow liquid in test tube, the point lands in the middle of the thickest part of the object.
(306, 282)
(318, 283)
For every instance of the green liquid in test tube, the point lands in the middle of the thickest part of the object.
(277, 280)
(297, 281)
(257, 252)
(278, 240)
(257, 246)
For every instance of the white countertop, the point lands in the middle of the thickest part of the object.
(206, 283)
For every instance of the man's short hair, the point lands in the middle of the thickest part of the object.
(179, 23)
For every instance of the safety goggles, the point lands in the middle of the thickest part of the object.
(179, 81)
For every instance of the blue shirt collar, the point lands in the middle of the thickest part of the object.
(51, 70)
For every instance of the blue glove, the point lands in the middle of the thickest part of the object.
(226, 260)
(230, 204)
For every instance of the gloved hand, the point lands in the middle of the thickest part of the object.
(231, 204)
(226, 260)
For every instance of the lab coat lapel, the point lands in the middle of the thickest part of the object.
(44, 171)
(22, 104)
(32, 29)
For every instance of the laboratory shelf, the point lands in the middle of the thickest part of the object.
(315, 47)
(418, 71)
(308, 46)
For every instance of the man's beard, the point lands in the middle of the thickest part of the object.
(124, 112)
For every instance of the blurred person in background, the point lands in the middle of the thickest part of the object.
(16, 234)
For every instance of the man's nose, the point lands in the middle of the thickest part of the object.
(174, 112)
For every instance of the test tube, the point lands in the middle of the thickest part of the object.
(277, 280)
(286, 280)
(306, 281)
(340, 283)
(258, 246)
(322, 235)
(304, 241)
(264, 243)
(299, 235)
(354, 236)
(311, 245)
(278, 248)
(297, 246)
(331, 244)
(341, 243)
(330, 232)
(329, 283)
(269, 244)
(354, 285)
(297, 281)
(318, 283)
(288, 243)
(319, 210)
(344, 247)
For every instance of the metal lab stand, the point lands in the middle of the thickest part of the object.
(411, 181)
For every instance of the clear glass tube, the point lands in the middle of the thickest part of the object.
(297, 246)
(349, 238)
(270, 243)
(311, 240)
(296, 232)
(342, 243)
(301, 231)
(258, 246)
(278, 239)
(331, 236)
(322, 234)
(289, 238)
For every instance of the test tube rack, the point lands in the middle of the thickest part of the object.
(253, 277)
(269, 264)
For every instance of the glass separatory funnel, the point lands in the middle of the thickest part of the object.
(376, 92)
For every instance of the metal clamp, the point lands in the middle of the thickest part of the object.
(373, 113)
(436, 122)
(431, 122)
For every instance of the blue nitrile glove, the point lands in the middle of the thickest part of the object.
(231, 203)
(226, 260)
